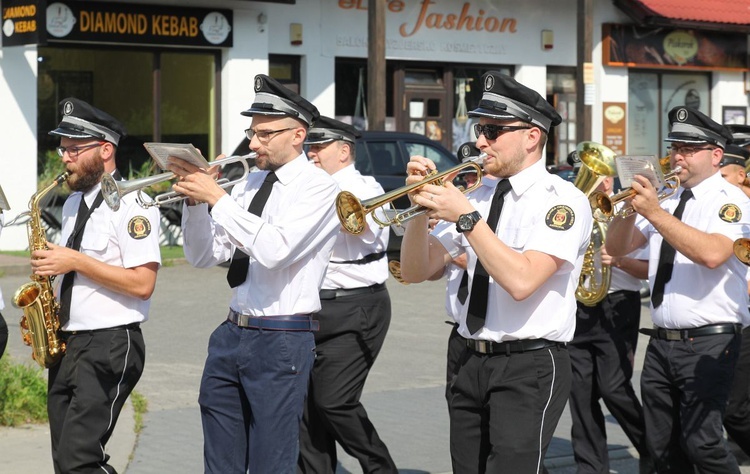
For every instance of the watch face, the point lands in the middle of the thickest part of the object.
(466, 222)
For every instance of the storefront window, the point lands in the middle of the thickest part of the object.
(159, 96)
(651, 97)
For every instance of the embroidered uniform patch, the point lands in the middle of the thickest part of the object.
(560, 218)
(730, 213)
(139, 227)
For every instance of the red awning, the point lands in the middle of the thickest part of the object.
(726, 15)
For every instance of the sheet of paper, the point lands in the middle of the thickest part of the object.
(161, 152)
(645, 165)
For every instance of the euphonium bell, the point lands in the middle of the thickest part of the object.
(597, 163)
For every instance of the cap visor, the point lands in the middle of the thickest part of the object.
(318, 141)
(270, 112)
(493, 114)
(70, 133)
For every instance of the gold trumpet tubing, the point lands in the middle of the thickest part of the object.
(604, 206)
(113, 191)
(352, 212)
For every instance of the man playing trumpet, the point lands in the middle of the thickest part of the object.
(513, 379)
(698, 297)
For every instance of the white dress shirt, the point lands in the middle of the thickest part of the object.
(289, 245)
(125, 238)
(531, 219)
(697, 295)
(350, 247)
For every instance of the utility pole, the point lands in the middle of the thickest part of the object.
(376, 64)
(584, 70)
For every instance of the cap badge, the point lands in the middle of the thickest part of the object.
(489, 82)
(139, 227)
(68, 108)
(258, 83)
(560, 218)
(730, 213)
(465, 151)
(682, 115)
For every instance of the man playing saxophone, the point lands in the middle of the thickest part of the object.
(109, 265)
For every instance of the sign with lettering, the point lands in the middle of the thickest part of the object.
(614, 126)
(121, 23)
(23, 22)
(664, 48)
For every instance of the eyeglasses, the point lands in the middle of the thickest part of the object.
(688, 151)
(264, 135)
(492, 131)
(74, 151)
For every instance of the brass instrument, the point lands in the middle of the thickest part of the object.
(352, 212)
(596, 277)
(40, 321)
(741, 250)
(597, 163)
(113, 191)
(604, 205)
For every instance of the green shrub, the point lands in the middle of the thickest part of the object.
(23, 394)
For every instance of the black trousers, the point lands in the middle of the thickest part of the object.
(352, 331)
(737, 417)
(685, 386)
(601, 357)
(504, 410)
(456, 347)
(3, 335)
(86, 392)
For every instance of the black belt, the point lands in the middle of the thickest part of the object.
(274, 323)
(341, 292)
(511, 347)
(684, 334)
(92, 331)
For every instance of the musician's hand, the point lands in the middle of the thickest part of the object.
(198, 184)
(444, 202)
(416, 170)
(607, 259)
(57, 260)
(645, 202)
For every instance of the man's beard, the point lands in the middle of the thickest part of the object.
(88, 175)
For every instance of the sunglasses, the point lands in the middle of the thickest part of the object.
(492, 131)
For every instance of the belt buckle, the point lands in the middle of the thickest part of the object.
(484, 347)
(673, 334)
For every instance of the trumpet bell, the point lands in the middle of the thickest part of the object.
(351, 212)
(741, 250)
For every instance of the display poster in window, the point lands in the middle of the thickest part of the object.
(614, 126)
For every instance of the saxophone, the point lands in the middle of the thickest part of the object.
(40, 321)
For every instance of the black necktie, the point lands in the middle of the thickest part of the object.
(237, 273)
(666, 257)
(74, 242)
(481, 281)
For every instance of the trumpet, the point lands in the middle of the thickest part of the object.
(352, 212)
(113, 191)
(604, 206)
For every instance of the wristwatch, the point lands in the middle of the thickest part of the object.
(466, 222)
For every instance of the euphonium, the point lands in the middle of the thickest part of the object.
(593, 284)
(40, 321)
(741, 250)
(597, 163)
